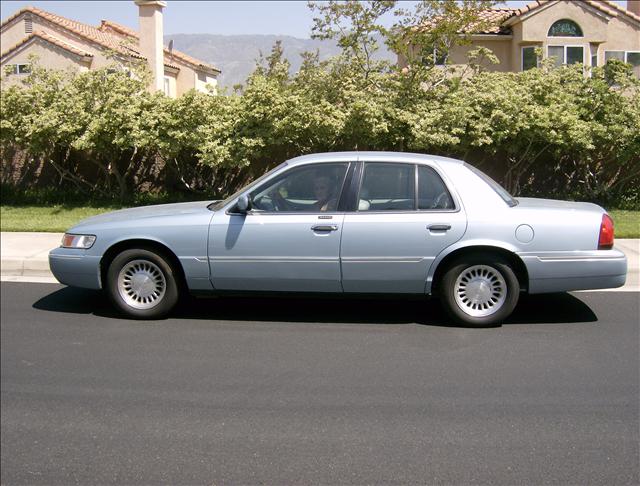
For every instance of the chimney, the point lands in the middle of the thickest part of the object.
(151, 39)
(633, 6)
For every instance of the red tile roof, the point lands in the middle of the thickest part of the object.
(51, 39)
(85, 31)
(606, 6)
(492, 21)
(489, 22)
(123, 30)
(104, 38)
(603, 4)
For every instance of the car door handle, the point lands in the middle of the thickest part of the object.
(439, 227)
(325, 227)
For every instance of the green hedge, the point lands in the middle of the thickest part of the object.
(544, 132)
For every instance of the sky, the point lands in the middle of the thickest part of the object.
(196, 17)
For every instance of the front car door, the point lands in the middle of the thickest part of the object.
(289, 240)
(404, 215)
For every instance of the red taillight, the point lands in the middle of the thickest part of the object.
(605, 242)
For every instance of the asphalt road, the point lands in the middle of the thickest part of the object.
(246, 391)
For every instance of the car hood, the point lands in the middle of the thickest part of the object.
(142, 212)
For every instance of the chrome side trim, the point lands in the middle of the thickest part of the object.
(383, 259)
(66, 257)
(268, 259)
(573, 255)
(577, 259)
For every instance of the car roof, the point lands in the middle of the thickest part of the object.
(372, 156)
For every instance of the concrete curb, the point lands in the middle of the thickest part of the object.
(27, 254)
(26, 267)
(25, 257)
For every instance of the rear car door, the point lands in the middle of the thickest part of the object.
(404, 215)
(289, 240)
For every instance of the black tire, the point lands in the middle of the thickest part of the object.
(485, 295)
(160, 279)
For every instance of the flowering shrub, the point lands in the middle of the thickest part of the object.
(544, 132)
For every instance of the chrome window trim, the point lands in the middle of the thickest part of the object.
(452, 194)
(285, 213)
(442, 179)
(364, 168)
(357, 180)
(229, 202)
(284, 171)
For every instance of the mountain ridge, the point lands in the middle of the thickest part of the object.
(236, 55)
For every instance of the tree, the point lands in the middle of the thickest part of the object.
(433, 28)
(356, 26)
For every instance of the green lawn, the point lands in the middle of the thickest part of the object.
(52, 219)
(626, 223)
(60, 218)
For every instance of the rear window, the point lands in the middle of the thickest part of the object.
(432, 193)
(501, 191)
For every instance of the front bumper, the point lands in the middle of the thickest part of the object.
(575, 270)
(75, 268)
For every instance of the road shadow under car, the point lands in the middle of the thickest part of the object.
(558, 308)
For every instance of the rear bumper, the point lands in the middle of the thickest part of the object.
(575, 270)
(75, 268)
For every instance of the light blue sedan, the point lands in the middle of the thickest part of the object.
(349, 222)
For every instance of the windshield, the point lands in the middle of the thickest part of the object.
(501, 191)
(214, 206)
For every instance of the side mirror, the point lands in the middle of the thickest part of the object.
(243, 204)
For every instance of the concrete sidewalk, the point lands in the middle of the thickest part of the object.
(25, 255)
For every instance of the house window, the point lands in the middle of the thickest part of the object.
(432, 56)
(608, 55)
(566, 54)
(631, 57)
(28, 26)
(19, 68)
(529, 58)
(167, 85)
(565, 28)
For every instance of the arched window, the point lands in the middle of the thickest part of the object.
(565, 28)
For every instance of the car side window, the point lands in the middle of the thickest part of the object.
(432, 192)
(387, 187)
(313, 188)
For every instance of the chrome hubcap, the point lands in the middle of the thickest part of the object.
(141, 284)
(480, 290)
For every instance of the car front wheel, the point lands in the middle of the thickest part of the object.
(142, 284)
(479, 292)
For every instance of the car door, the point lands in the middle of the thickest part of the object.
(289, 240)
(404, 215)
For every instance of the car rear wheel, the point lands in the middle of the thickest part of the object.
(142, 284)
(479, 292)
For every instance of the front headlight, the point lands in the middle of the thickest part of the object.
(77, 241)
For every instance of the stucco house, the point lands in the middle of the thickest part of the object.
(61, 43)
(572, 31)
